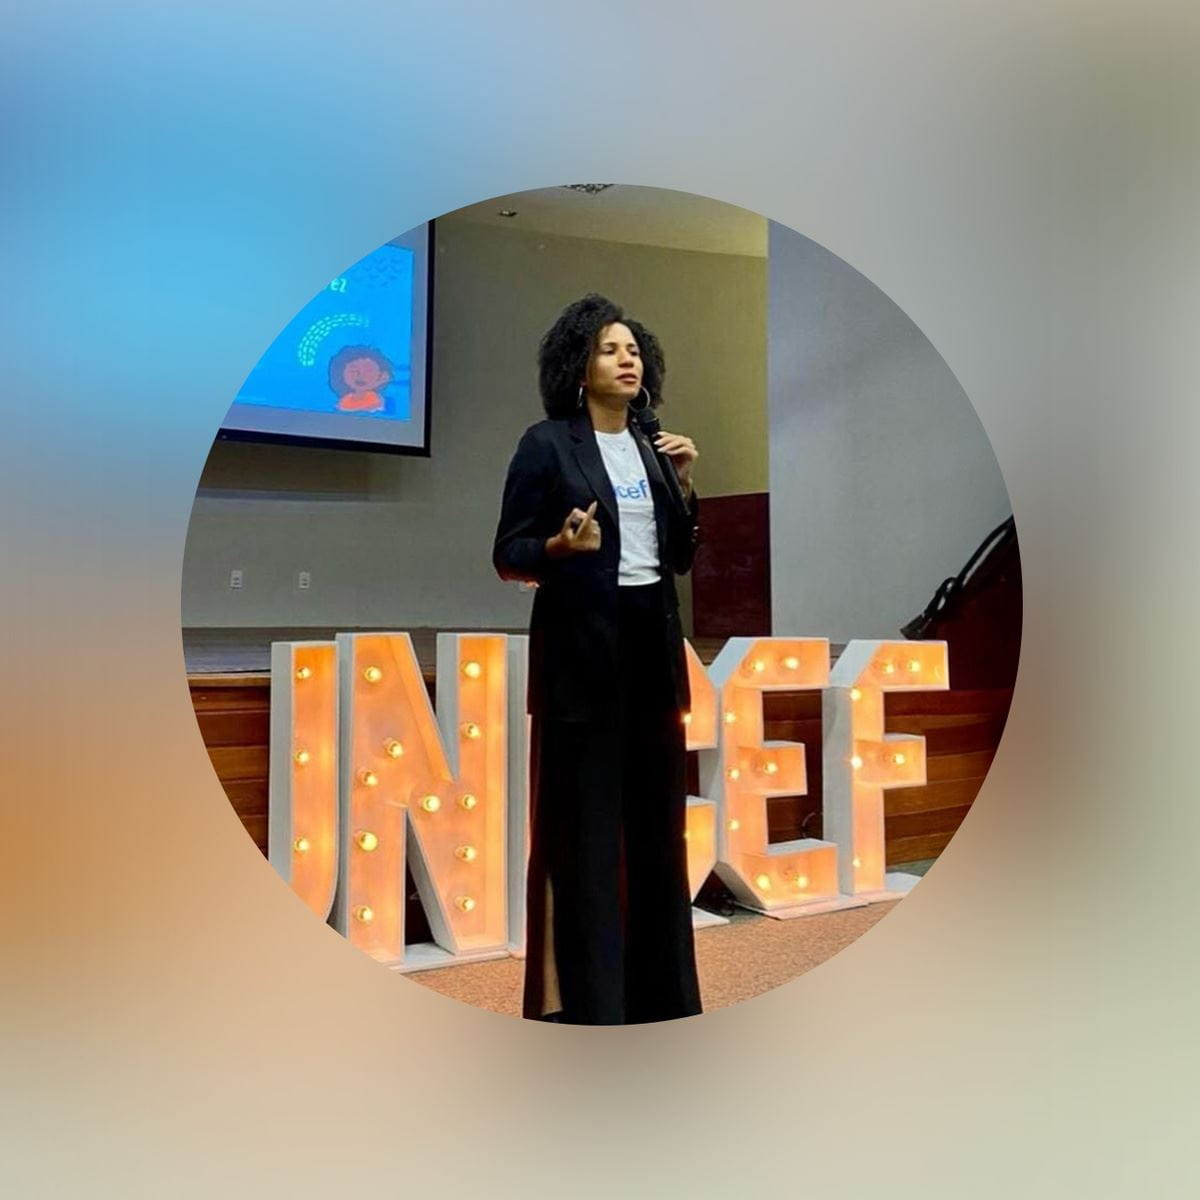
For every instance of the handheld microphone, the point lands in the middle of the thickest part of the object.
(648, 423)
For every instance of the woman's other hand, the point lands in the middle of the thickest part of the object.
(580, 533)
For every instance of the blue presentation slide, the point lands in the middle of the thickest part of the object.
(349, 350)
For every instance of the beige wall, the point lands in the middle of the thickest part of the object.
(403, 541)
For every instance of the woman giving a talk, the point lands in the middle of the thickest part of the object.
(588, 516)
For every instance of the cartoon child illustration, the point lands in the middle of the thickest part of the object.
(358, 374)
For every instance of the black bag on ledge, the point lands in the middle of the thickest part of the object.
(978, 613)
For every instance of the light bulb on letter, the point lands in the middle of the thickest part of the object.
(431, 803)
(301, 845)
(364, 913)
(303, 673)
(465, 903)
(368, 778)
(372, 674)
(467, 801)
(471, 730)
(302, 756)
(467, 853)
(791, 662)
(393, 748)
(856, 761)
(472, 670)
(855, 694)
(899, 759)
(763, 881)
(366, 840)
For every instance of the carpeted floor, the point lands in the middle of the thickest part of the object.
(750, 955)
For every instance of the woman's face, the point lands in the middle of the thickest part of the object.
(614, 369)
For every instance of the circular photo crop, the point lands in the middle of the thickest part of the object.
(601, 604)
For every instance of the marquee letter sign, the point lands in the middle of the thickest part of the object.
(786, 879)
(362, 773)
(861, 761)
(700, 729)
(441, 781)
(302, 805)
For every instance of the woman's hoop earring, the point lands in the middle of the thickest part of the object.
(582, 389)
(642, 407)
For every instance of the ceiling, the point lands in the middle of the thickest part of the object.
(626, 213)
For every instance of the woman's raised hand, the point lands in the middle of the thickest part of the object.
(580, 533)
(683, 454)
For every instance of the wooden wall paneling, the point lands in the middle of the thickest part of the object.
(731, 575)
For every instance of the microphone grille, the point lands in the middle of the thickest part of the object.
(647, 419)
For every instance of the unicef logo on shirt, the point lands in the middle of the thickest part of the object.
(639, 491)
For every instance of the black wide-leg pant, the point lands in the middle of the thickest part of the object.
(609, 909)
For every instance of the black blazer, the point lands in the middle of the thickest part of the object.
(573, 627)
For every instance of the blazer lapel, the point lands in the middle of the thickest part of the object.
(587, 455)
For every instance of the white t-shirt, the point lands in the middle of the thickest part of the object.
(635, 507)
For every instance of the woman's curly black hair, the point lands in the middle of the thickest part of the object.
(568, 343)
